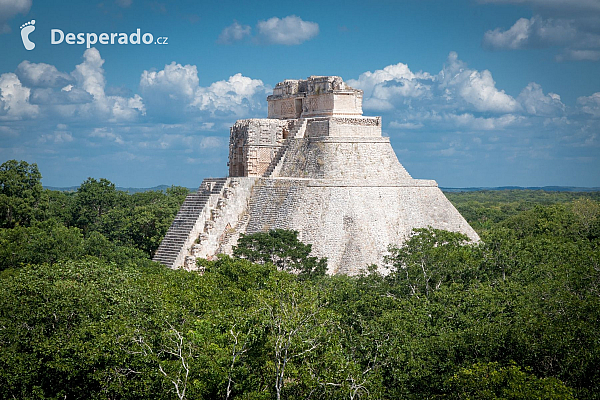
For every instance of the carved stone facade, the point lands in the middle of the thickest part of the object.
(316, 107)
(254, 143)
(319, 167)
(317, 96)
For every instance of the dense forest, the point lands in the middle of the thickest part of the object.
(86, 314)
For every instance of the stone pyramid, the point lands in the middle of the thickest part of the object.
(317, 166)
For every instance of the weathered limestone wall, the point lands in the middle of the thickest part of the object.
(356, 126)
(317, 96)
(342, 158)
(285, 108)
(225, 220)
(350, 224)
(334, 103)
(253, 143)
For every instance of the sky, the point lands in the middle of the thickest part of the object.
(471, 92)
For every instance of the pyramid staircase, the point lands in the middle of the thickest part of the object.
(276, 160)
(299, 128)
(192, 212)
(297, 132)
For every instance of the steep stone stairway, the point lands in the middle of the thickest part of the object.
(192, 209)
(299, 128)
(297, 132)
(275, 162)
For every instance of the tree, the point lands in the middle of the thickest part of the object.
(491, 381)
(44, 242)
(93, 199)
(80, 329)
(297, 325)
(587, 215)
(141, 220)
(283, 249)
(429, 258)
(20, 190)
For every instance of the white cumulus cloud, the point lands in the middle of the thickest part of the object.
(535, 102)
(455, 86)
(290, 30)
(176, 89)
(531, 33)
(58, 136)
(394, 83)
(590, 104)
(233, 33)
(461, 99)
(14, 99)
(63, 97)
(402, 78)
(237, 95)
(80, 94)
(471, 122)
(475, 87)
(178, 82)
(41, 75)
(570, 25)
(89, 76)
(578, 55)
(108, 134)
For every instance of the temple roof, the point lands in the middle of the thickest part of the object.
(313, 85)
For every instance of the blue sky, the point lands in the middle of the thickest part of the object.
(472, 93)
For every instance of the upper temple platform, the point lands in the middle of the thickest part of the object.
(318, 108)
(317, 96)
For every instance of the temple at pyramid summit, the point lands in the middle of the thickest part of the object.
(316, 165)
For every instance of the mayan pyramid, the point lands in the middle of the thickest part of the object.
(317, 166)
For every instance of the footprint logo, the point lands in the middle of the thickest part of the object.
(26, 29)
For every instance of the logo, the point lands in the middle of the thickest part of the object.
(26, 29)
(57, 36)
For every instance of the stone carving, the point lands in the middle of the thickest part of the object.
(287, 107)
(358, 121)
(337, 83)
(317, 95)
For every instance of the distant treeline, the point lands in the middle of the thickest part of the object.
(483, 209)
(130, 190)
(507, 188)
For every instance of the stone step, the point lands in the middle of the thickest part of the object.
(276, 160)
(187, 217)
